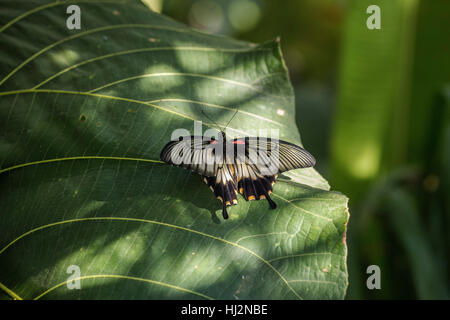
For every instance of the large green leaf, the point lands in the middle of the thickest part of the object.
(84, 115)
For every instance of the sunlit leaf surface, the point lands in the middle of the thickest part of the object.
(84, 115)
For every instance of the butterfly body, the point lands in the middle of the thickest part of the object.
(248, 165)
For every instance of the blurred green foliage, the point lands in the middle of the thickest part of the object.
(374, 106)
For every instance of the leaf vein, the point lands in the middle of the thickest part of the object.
(161, 224)
(105, 28)
(123, 277)
(216, 106)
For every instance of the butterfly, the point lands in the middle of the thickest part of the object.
(247, 165)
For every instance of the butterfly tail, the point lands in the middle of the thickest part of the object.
(268, 182)
(224, 210)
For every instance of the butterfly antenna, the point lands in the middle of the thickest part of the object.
(231, 118)
(204, 113)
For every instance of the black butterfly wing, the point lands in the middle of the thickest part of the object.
(194, 153)
(224, 187)
(253, 185)
(204, 156)
(272, 156)
(260, 160)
